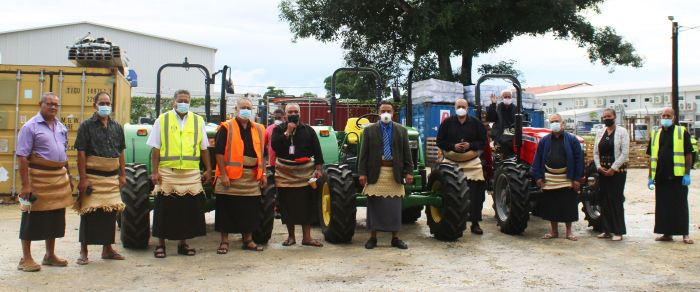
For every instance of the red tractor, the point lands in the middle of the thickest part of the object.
(513, 188)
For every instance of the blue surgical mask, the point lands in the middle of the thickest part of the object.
(245, 113)
(666, 123)
(104, 110)
(182, 107)
(555, 127)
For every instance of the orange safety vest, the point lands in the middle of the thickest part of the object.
(233, 156)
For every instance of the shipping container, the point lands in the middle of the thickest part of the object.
(535, 117)
(21, 87)
(427, 117)
(319, 113)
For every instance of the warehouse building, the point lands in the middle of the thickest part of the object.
(145, 53)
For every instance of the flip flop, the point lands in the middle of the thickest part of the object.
(571, 237)
(688, 241)
(184, 249)
(314, 243)
(82, 261)
(113, 256)
(247, 246)
(221, 249)
(289, 242)
(549, 236)
(664, 238)
(617, 238)
(604, 235)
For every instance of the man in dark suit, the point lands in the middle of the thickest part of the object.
(385, 165)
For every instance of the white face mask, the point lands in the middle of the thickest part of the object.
(461, 112)
(385, 117)
(278, 122)
(508, 101)
(555, 127)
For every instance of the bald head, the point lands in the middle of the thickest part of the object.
(668, 113)
(556, 118)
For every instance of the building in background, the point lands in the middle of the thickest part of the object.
(145, 53)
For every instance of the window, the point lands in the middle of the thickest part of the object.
(612, 101)
(624, 100)
(633, 100)
(681, 97)
(697, 97)
(646, 99)
(559, 103)
(697, 118)
(545, 104)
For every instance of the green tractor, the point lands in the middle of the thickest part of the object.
(442, 189)
(136, 194)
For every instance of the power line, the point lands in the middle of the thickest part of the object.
(277, 86)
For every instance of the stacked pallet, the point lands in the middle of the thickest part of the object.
(98, 52)
(638, 157)
(432, 152)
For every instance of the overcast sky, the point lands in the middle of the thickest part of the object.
(250, 37)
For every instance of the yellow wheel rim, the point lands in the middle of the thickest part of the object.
(435, 212)
(326, 204)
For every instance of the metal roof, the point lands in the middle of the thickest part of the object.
(106, 26)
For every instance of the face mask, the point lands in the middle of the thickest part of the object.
(507, 101)
(609, 122)
(385, 117)
(245, 114)
(293, 118)
(278, 122)
(182, 107)
(104, 110)
(461, 112)
(555, 127)
(666, 123)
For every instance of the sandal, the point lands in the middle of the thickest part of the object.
(82, 261)
(313, 242)
(571, 237)
(250, 245)
(289, 242)
(54, 261)
(604, 235)
(222, 249)
(549, 236)
(113, 256)
(28, 267)
(159, 252)
(664, 238)
(184, 249)
(687, 240)
(617, 238)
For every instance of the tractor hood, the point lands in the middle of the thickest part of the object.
(536, 134)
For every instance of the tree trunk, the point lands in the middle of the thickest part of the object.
(445, 66)
(466, 75)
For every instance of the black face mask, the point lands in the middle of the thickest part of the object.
(293, 118)
(609, 122)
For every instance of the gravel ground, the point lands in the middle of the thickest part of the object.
(494, 261)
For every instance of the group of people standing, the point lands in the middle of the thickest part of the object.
(180, 153)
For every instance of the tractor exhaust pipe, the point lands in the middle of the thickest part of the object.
(409, 102)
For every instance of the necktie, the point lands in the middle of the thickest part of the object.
(387, 143)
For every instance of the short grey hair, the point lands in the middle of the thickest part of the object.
(242, 99)
(42, 99)
(181, 91)
(556, 115)
(291, 105)
(506, 91)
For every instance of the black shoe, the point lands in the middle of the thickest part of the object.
(476, 229)
(398, 243)
(371, 243)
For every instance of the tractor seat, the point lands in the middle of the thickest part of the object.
(352, 131)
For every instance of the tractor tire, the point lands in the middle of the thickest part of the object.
(592, 214)
(267, 213)
(136, 218)
(411, 215)
(337, 207)
(511, 197)
(590, 199)
(449, 221)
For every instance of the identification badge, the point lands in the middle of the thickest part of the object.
(291, 149)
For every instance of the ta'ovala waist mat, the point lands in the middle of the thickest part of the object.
(246, 185)
(471, 167)
(555, 178)
(179, 182)
(291, 174)
(50, 184)
(386, 186)
(103, 174)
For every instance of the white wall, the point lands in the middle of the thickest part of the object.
(146, 54)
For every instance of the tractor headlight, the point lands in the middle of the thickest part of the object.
(413, 144)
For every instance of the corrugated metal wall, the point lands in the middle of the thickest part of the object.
(146, 54)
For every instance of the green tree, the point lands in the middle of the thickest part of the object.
(350, 85)
(309, 94)
(502, 67)
(274, 92)
(398, 33)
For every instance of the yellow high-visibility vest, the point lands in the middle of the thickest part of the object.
(678, 151)
(180, 148)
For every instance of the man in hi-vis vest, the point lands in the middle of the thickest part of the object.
(240, 173)
(179, 142)
(670, 161)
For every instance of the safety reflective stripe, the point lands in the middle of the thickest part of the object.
(196, 134)
(260, 133)
(167, 133)
(228, 161)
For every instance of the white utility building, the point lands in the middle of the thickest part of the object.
(145, 53)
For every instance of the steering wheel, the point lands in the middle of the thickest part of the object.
(371, 117)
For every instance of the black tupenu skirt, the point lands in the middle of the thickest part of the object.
(97, 227)
(179, 217)
(297, 205)
(237, 214)
(384, 214)
(560, 205)
(42, 225)
(612, 200)
(672, 216)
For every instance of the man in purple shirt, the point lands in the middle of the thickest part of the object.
(43, 167)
